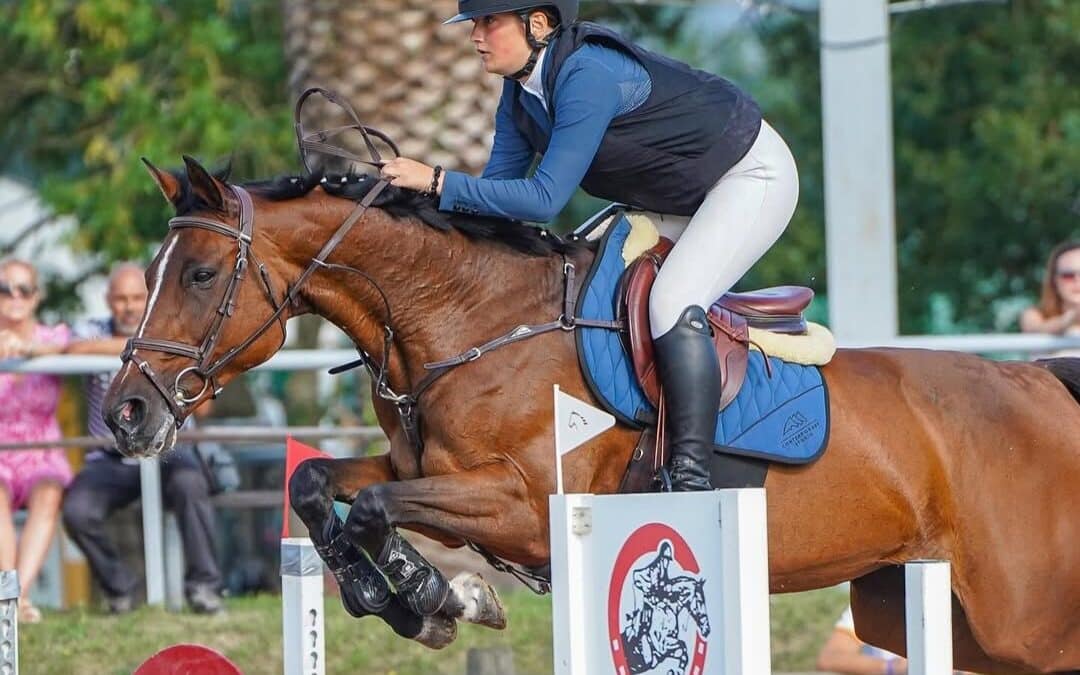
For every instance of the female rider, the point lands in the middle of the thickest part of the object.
(636, 127)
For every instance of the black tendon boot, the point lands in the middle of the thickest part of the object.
(690, 377)
(364, 590)
(421, 587)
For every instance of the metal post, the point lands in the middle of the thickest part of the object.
(745, 564)
(928, 591)
(153, 523)
(856, 102)
(302, 608)
(9, 622)
(174, 564)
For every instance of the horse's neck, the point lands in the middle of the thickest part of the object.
(446, 293)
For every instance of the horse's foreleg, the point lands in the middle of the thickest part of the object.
(313, 488)
(487, 505)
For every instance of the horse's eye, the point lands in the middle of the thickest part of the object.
(202, 276)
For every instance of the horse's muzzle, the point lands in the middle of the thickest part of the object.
(140, 430)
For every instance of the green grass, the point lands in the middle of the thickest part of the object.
(84, 643)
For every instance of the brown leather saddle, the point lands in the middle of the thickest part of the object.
(778, 309)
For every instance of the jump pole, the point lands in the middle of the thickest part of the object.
(303, 638)
(928, 587)
(9, 622)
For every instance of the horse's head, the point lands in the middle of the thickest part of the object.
(193, 337)
(698, 610)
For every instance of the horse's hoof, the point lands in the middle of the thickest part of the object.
(480, 601)
(438, 631)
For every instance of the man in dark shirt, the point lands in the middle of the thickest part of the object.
(109, 481)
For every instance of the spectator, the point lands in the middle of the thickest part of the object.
(109, 481)
(846, 654)
(33, 479)
(1058, 309)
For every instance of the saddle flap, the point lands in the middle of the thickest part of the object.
(730, 330)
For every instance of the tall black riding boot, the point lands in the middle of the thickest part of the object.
(690, 377)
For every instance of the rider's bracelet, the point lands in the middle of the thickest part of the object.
(890, 667)
(434, 190)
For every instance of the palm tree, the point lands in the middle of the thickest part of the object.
(404, 72)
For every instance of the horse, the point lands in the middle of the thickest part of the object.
(932, 454)
(653, 632)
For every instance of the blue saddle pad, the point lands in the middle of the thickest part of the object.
(781, 418)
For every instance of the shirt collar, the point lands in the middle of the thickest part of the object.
(535, 84)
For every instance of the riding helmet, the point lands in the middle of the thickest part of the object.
(471, 9)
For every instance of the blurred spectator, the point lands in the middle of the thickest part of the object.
(1058, 309)
(110, 481)
(33, 479)
(845, 653)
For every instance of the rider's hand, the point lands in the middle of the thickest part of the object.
(408, 173)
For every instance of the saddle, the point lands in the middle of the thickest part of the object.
(778, 310)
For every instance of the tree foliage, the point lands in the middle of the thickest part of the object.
(91, 86)
(986, 115)
(987, 149)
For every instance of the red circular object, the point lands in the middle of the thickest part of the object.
(187, 660)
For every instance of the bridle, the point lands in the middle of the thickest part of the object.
(206, 367)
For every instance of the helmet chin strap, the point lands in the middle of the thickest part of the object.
(535, 46)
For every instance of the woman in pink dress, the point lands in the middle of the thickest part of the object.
(30, 479)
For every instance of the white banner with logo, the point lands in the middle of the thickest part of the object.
(660, 583)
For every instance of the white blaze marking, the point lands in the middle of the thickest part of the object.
(159, 280)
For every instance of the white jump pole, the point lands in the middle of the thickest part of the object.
(745, 612)
(303, 637)
(929, 617)
(9, 623)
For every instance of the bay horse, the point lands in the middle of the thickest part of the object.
(931, 455)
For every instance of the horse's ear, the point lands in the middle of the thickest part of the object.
(207, 188)
(166, 182)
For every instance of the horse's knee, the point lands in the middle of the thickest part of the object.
(309, 490)
(368, 523)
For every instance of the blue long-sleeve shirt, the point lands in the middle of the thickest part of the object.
(595, 85)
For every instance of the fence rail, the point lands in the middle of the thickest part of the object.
(230, 434)
(80, 364)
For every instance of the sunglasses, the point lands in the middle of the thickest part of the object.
(1068, 275)
(21, 290)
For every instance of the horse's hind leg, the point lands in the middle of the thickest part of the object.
(877, 604)
(312, 491)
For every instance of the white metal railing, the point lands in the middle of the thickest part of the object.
(315, 359)
(1027, 343)
(79, 364)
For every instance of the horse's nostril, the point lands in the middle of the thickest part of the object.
(129, 414)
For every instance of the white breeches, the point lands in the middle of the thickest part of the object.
(741, 217)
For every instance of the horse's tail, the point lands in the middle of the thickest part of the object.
(1067, 370)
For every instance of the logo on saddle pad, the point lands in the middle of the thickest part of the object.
(657, 618)
(798, 428)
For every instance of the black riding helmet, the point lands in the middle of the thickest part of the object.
(470, 9)
(566, 9)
